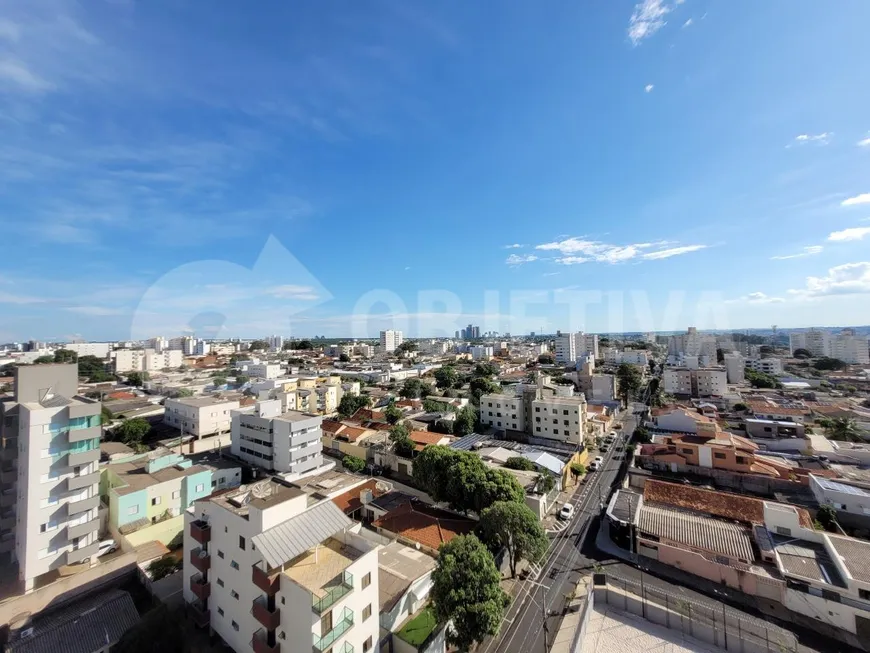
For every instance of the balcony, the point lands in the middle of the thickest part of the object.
(8, 475)
(7, 520)
(340, 587)
(82, 481)
(90, 433)
(200, 559)
(199, 613)
(265, 642)
(269, 583)
(200, 531)
(80, 530)
(7, 545)
(82, 554)
(8, 498)
(339, 628)
(347, 647)
(76, 458)
(77, 507)
(308, 450)
(268, 616)
(200, 586)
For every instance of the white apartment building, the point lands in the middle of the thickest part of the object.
(202, 348)
(364, 350)
(849, 348)
(269, 573)
(692, 343)
(200, 416)
(56, 498)
(481, 352)
(146, 360)
(98, 349)
(818, 343)
(631, 356)
(263, 370)
(735, 368)
(771, 366)
(158, 344)
(276, 343)
(571, 346)
(702, 382)
(288, 442)
(390, 340)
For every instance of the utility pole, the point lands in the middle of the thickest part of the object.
(543, 612)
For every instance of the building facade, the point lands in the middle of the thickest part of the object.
(199, 416)
(390, 340)
(702, 382)
(289, 442)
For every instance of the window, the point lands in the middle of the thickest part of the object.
(176, 494)
(235, 626)
(490, 413)
(367, 645)
(241, 542)
(782, 530)
(565, 422)
(220, 582)
(537, 409)
(156, 501)
(555, 421)
(200, 487)
(234, 594)
(132, 510)
(234, 564)
(367, 580)
(537, 419)
(538, 428)
(687, 451)
(720, 456)
(864, 594)
(221, 611)
(741, 460)
(490, 406)
(220, 554)
(367, 612)
(514, 416)
(564, 412)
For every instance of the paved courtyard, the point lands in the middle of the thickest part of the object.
(612, 631)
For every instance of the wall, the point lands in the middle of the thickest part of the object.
(734, 482)
(164, 532)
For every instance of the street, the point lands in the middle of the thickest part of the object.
(526, 629)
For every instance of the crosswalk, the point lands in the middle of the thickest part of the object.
(559, 526)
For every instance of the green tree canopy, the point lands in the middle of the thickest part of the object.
(466, 590)
(343, 358)
(641, 434)
(515, 527)
(630, 381)
(163, 567)
(159, 631)
(578, 469)
(136, 379)
(42, 360)
(353, 464)
(407, 346)
(349, 404)
(258, 345)
(762, 380)
(414, 389)
(65, 356)
(106, 415)
(546, 359)
(801, 353)
(485, 370)
(446, 377)
(431, 405)
(829, 364)
(400, 436)
(518, 462)
(466, 420)
(393, 414)
(132, 431)
(183, 392)
(480, 386)
(843, 429)
(94, 369)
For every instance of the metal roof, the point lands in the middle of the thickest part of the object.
(696, 530)
(855, 556)
(295, 536)
(89, 625)
(833, 486)
(545, 460)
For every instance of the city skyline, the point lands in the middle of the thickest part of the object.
(241, 173)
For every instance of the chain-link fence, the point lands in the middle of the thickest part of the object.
(705, 620)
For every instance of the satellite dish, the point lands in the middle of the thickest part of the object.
(262, 489)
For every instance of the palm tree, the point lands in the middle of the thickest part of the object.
(844, 429)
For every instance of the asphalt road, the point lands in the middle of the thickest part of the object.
(526, 629)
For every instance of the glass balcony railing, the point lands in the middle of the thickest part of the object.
(339, 628)
(334, 593)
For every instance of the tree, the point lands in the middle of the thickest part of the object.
(407, 347)
(242, 379)
(65, 356)
(163, 567)
(159, 631)
(516, 528)
(94, 369)
(353, 464)
(518, 462)
(829, 364)
(762, 380)
(106, 416)
(258, 345)
(393, 414)
(652, 366)
(801, 353)
(343, 358)
(414, 389)
(641, 434)
(434, 406)
(219, 381)
(42, 360)
(432, 470)
(349, 404)
(400, 436)
(720, 355)
(827, 517)
(446, 377)
(480, 386)
(136, 379)
(466, 591)
(183, 392)
(485, 370)
(630, 381)
(546, 359)
(495, 485)
(545, 483)
(578, 469)
(465, 421)
(843, 429)
(132, 431)
(740, 407)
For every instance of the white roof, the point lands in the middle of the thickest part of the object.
(298, 534)
(545, 460)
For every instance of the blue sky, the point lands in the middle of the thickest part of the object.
(172, 166)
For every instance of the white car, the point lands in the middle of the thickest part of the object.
(106, 546)
(566, 512)
(593, 466)
(598, 460)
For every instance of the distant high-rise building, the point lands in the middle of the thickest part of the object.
(276, 343)
(457, 335)
(390, 340)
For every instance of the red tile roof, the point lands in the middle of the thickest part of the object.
(774, 409)
(425, 524)
(350, 501)
(121, 395)
(366, 414)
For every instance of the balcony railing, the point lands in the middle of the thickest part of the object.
(8, 499)
(200, 559)
(334, 593)
(200, 586)
(83, 480)
(76, 458)
(76, 507)
(268, 616)
(347, 647)
(339, 628)
(80, 530)
(265, 642)
(84, 433)
(82, 553)
(200, 531)
(270, 583)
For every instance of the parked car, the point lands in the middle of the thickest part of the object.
(566, 512)
(599, 460)
(106, 547)
(594, 466)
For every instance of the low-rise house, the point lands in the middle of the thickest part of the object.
(353, 502)
(678, 419)
(422, 526)
(784, 411)
(842, 497)
(778, 435)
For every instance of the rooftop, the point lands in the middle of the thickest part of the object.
(328, 484)
(697, 530)
(293, 537)
(425, 524)
(855, 555)
(202, 402)
(351, 501)
(399, 566)
(807, 560)
(261, 495)
(136, 477)
(612, 631)
(316, 567)
(833, 486)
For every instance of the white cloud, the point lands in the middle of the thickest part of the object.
(848, 279)
(688, 23)
(9, 30)
(647, 18)
(855, 233)
(864, 142)
(761, 298)
(807, 251)
(290, 291)
(818, 139)
(514, 246)
(8, 298)
(577, 250)
(16, 74)
(648, 88)
(863, 198)
(516, 259)
(97, 311)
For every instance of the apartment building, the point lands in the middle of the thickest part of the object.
(51, 453)
(156, 488)
(763, 548)
(692, 343)
(98, 349)
(199, 416)
(772, 366)
(701, 382)
(817, 342)
(572, 345)
(276, 343)
(146, 360)
(735, 368)
(482, 352)
(540, 410)
(267, 572)
(158, 344)
(849, 348)
(390, 340)
(289, 442)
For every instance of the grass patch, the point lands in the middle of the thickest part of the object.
(418, 628)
